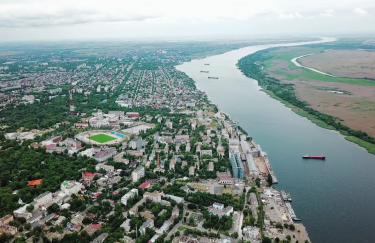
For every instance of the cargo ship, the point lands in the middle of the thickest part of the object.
(206, 64)
(213, 77)
(204, 71)
(306, 156)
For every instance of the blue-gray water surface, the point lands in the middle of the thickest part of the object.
(334, 198)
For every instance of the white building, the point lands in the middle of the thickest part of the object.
(154, 196)
(44, 199)
(70, 187)
(218, 206)
(108, 168)
(138, 173)
(132, 193)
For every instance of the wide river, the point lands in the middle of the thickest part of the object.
(334, 198)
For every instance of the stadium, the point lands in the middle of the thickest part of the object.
(101, 137)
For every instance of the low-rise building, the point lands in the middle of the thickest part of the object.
(145, 185)
(8, 229)
(43, 200)
(211, 166)
(131, 194)
(6, 219)
(108, 168)
(105, 154)
(154, 196)
(206, 152)
(100, 238)
(149, 223)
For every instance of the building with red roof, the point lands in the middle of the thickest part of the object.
(81, 124)
(96, 226)
(96, 195)
(35, 182)
(49, 146)
(145, 185)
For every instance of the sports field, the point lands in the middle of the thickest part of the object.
(102, 138)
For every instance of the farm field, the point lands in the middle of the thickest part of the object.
(343, 63)
(353, 106)
(102, 138)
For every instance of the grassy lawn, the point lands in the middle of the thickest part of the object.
(102, 138)
(368, 146)
(181, 228)
(228, 190)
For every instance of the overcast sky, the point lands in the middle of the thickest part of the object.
(124, 19)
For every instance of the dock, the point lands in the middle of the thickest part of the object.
(290, 210)
(269, 168)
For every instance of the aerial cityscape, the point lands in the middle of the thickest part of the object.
(185, 138)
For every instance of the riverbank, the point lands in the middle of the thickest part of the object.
(285, 93)
(368, 146)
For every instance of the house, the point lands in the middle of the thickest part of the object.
(175, 198)
(105, 154)
(152, 181)
(211, 166)
(6, 219)
(87, 176)
(172, 164)
(225, 179)
(70, 187)
(100, 238)
(218, 206)
(169, 124)
(72, 144)
(149, 223)
(8, 229)
(184, 239)
(186, 189)
(138, 173)
(206, 152)
(191, 171)
(145, 185)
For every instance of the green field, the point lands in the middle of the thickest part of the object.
(102, 138)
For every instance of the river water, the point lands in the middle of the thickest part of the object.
(334, 198)
(295, 61)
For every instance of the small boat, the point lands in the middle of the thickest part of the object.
(289, 198)
(213, 77)
(296, 219)
(204, 71)
(206, 64)
(306, 156)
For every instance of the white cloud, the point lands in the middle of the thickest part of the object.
(290, 15)
(360, 12)
(328, 13)
(53, 12)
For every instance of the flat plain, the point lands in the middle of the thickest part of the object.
(353, 105)
(343, 63)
